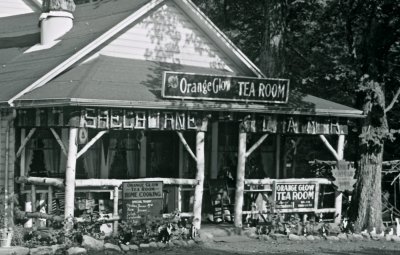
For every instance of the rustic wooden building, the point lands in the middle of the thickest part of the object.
(147, 90)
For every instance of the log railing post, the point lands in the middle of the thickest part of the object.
(240, 178)
(50, 200)
(70, 176)
(115, 212)
(28, 208)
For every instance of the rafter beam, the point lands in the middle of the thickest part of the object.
(24, 142)
(59, 141)
(256, 145)
(329, 146)
(186, 145)
(89, 144)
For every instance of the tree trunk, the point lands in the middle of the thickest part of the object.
(367, 204)
(368, 193)
(272, 60)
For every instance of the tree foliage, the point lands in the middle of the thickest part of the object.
(347, 49)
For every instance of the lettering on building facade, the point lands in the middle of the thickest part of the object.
(180, 85)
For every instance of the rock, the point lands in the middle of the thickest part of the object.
(265, 238)
(191, 242)
(14, 250)
(171, 244)
(342, 236)
(388, 238)
(43, 250)
(332, 238)
(294, 237)
(57, 248)
(184, 243)
(124, 247)
(278, 236)
(250, 232)
(177, 242)
(377, 237)
(112, 247)
(317, 238)
(310, 238)
(133, 247)
(252, 236)
(366, 235)
(355, 237)
(204, 235)
(107, 229)
(144, 245)
(161, 245)
(76, 251)
(89, 243)
(153, 244)
(334, 228)
(396, 239)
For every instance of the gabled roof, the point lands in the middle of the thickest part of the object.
(119, 82)
(91, 21)
(60, 66)
(52, 77)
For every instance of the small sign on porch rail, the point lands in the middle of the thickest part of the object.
(140, 200)
(295, 197)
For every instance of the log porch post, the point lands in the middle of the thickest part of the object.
(70, 172)
(338, 194)
(198, 192)
(240, 177)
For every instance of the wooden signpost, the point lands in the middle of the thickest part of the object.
(295, 197)
(140, 200)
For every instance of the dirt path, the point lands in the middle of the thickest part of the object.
(243, 245)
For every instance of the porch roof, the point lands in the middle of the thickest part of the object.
(19, 70)
(118, 82)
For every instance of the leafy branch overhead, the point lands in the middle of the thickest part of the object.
(346, 51)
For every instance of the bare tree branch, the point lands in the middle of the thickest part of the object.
(394, 100)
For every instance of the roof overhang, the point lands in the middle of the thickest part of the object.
(190, 106)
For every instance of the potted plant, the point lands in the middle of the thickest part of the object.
(6, 220)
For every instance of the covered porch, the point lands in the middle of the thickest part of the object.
(104, 147)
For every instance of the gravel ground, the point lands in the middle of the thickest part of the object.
(245, 245)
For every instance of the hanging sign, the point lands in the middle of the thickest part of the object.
(344, 176)
(224, 88)
(295, 197)
(83, 135)
(140, 200)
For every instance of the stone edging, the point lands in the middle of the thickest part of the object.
(51, 250)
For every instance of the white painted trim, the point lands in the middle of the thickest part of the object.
(216, 34)
(87, 49)
(40, 46)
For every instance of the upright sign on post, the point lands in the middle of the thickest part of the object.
(140, 200)
(344, 176)
(224, 88)
(295, 197)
